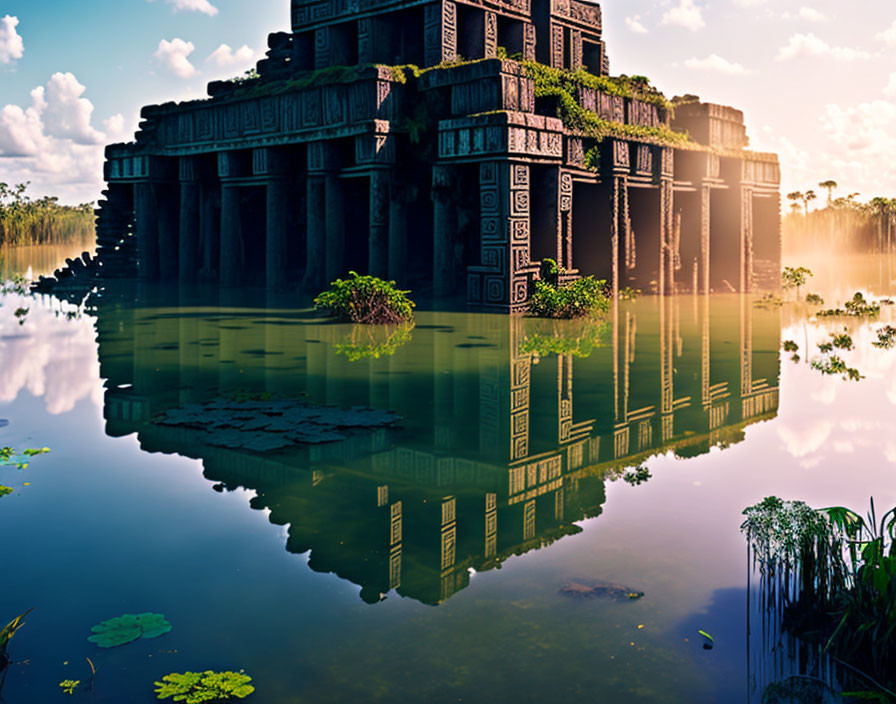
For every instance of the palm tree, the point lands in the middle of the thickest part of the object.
(830, 186)
(808, 196)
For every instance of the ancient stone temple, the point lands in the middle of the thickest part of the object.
(396, 138)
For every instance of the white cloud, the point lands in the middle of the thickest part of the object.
(173, 56)
(52, 143)
(811, 14)
(203, 6)
(717, 64)
(812, 45)
(889, 35)
(890, 88)
(685, 14)
(803, 441)
(635, 25)
(225, 56)
(11, 45)
(861, 141)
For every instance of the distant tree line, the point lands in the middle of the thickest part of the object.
(844, 223)
(24, 220)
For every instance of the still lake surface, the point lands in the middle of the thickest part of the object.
(433, 560)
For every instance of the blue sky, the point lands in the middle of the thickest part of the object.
(816, 78)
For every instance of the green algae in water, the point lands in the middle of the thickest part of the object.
(208, 686)
(128, 628)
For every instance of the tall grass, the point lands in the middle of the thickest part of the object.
(24, 220)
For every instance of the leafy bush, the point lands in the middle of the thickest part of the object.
(794, 277)
(366, 299)
(814, 299)
(576, 299)
(208, 686)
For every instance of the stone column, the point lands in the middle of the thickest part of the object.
(565, 224)
(378, 243)
(316, 234)
(210, 234)
(705, 195)
(398, 236)
(439, 32)
(335, 226)
(231, 261)
(278, 198)
(444, 230)
(188, 235)
(169, 216)
(746, 240)
(147, 224)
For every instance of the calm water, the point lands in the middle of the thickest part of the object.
(425, 562)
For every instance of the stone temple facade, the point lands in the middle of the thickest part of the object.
(454, 176)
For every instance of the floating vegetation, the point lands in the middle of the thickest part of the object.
(367, 342)
(9, 457)
(708, 640)
(6, 634)
(790, 346)
(886, 338)
(272, 424)
(629, 294)
(127, 628)
(857, 307)
(813, 299)
(21, 314)
(768, 301)
(638, 476)
(4, 490)
(16, 284)
(69, 686)
(833, 365)
(593, 590)
(795, 277)
(843, 341)
(366, 299)
(828, 578)
(208, 686)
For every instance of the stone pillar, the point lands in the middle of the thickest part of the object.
(444, 231)
(335, 226)
(147, 223)
(169, 217)
(705, 194)
(276, 245)
(316, 234)
(209, 224)
(667, 259)
(188, 235)
(398, 236)
(618, 223)
(746, 240)
(231, 260)
(565, 224)
(378, 243)
(439, 32)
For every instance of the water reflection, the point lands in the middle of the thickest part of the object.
(510, 429)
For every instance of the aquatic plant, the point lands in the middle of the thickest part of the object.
(552, 298)
(8, 456)
(629, 294)
(638, 476)
(857, 307)
(843, 341)
(886, 338)
(790, 346)
(127, 628)
(830, 574)
(813, 299)
(42, 221)
(708, 640)
(768, 301)
(834, 365)
(69, 686)
(4, 490)
(208, 686)
(6, 634)
(366, 342)
(795, 277)
(16, 284)
(366, 299)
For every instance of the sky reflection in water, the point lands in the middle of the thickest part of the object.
(502, 452)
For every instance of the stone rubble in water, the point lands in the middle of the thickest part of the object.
(592, 590)
(264, 426)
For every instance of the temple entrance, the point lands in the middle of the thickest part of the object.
(639, 253)
(253, 228)
(592, 222)
(724, 241)
(357, 225)
(688, 217)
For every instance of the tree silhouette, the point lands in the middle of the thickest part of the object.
(829, 185)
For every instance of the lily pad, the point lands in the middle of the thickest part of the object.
(128, 628)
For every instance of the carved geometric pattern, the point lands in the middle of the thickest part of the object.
(529, 41)
(491, 34)
(557, 46)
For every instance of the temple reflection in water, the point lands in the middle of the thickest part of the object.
(510, 426)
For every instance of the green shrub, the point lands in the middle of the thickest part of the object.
(366, 299)
(577, 299)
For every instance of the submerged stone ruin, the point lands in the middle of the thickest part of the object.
(397, 139)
